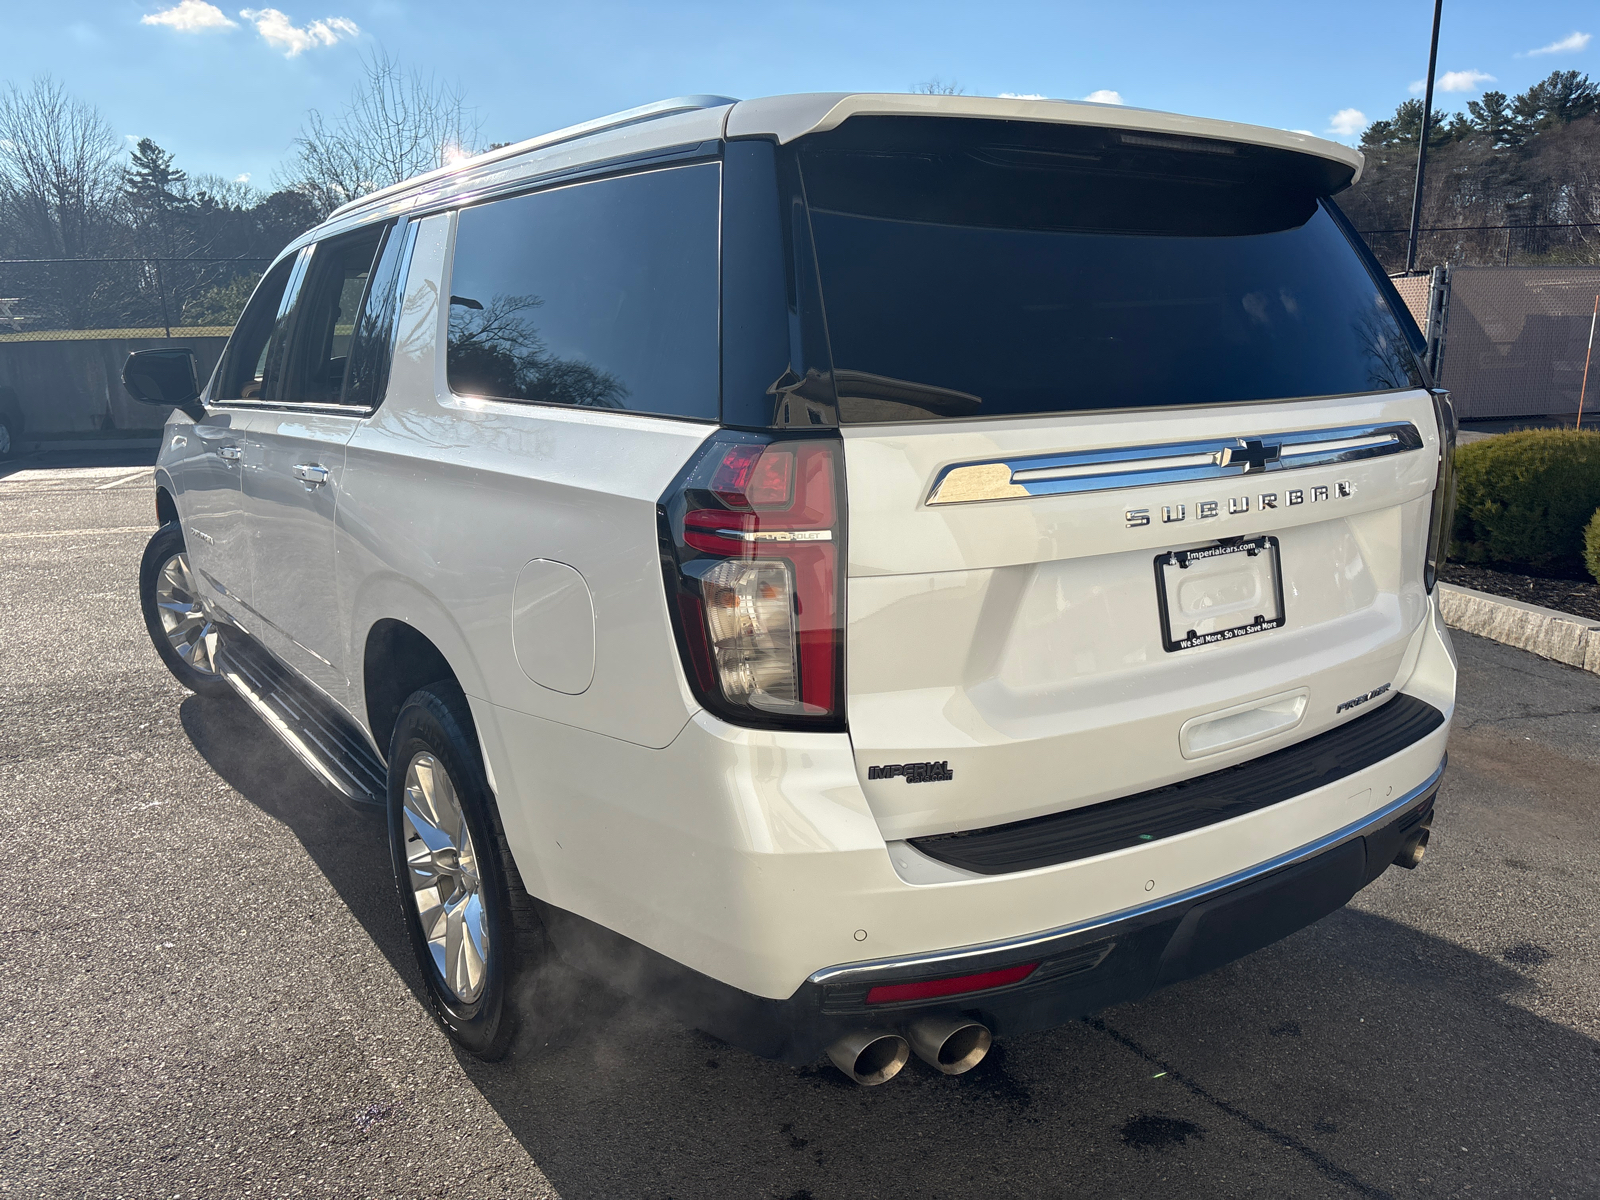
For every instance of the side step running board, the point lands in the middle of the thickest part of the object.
(336, 749)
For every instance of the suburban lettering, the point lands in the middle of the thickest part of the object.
(1319, 493)
(1168, 511)
(1296, 496)
(1238, 504)
(1269, 499)
(1137, 517)
(1206, 508)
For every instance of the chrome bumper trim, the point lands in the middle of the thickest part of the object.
(849, 972)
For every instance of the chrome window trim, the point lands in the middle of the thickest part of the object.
(329, 410)
(1172, 462)
(867, 971)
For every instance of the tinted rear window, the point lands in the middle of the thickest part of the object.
(979, 268)
(601, 294)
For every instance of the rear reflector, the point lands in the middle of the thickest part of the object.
(928, 989)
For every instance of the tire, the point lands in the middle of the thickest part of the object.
(184, 636)
(8, 439)
(475, 906)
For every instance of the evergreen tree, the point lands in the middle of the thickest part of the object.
(1562, 98)
(153, 187)
(1491, 117)
(1405, 129)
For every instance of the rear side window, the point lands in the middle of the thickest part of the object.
(601, 294)
(372, 346)
(328, 307)
(982, 268)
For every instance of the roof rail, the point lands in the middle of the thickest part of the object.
(631, 116)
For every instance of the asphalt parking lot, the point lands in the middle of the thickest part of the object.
(207, 991)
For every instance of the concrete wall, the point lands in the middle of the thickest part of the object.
(70, 386)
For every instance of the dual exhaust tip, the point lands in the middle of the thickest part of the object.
(952, 1045)
(1414, 847)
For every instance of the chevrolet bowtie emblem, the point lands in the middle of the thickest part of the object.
(1253, 454)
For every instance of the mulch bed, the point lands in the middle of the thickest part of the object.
(1565, 595)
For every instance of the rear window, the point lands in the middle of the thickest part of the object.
(983, 268)
(600, 294)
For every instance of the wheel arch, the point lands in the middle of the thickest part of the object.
(402, 634)
(397, 660)
(166, 506)
(402, 639)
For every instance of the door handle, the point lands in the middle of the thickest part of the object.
(230, 454)
(311, 474)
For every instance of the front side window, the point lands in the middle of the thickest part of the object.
(600, 294)
(329, 304)
(243, 374)
(979, 268)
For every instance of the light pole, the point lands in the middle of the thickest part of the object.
(1422, 147)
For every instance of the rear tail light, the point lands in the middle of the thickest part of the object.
(1444, 490)
(752, 548)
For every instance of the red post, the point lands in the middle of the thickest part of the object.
(1585, 388)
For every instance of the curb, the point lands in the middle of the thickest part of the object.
(1543, 631)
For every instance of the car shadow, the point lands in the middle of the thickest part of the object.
(1359, 1056)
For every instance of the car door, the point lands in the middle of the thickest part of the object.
(207, 462)
(294, 458)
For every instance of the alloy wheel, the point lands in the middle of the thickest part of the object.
(445, 884)
(191, 633)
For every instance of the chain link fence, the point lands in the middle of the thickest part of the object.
(1569, 243)
(78, 298)
(1510, 342)
(1517, 339)
(68, 325)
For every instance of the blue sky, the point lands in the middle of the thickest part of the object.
(227, 92)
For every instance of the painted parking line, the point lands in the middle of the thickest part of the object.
(25, 535)
(139, 474)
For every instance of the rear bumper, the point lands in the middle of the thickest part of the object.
(734, 866)
(1081, 970)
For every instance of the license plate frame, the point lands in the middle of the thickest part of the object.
(1249, 565)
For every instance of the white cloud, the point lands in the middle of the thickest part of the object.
(283, 34)
(1022, 95)
(1347, 122)
(1572, 42)
(1454, 81)
(245, 178)
(189, 16)
(1105, 96)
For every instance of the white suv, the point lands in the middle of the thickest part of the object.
(874, 572)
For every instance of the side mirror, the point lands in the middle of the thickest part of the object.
(168, 377)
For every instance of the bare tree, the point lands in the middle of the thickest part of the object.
(60, 183)
(938, 87)
(399, 123)
(59, 169)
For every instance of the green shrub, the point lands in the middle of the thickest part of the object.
(1523, 499)
(221, 305)
(1591, 546)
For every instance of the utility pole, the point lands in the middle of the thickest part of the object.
(1422, 148)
